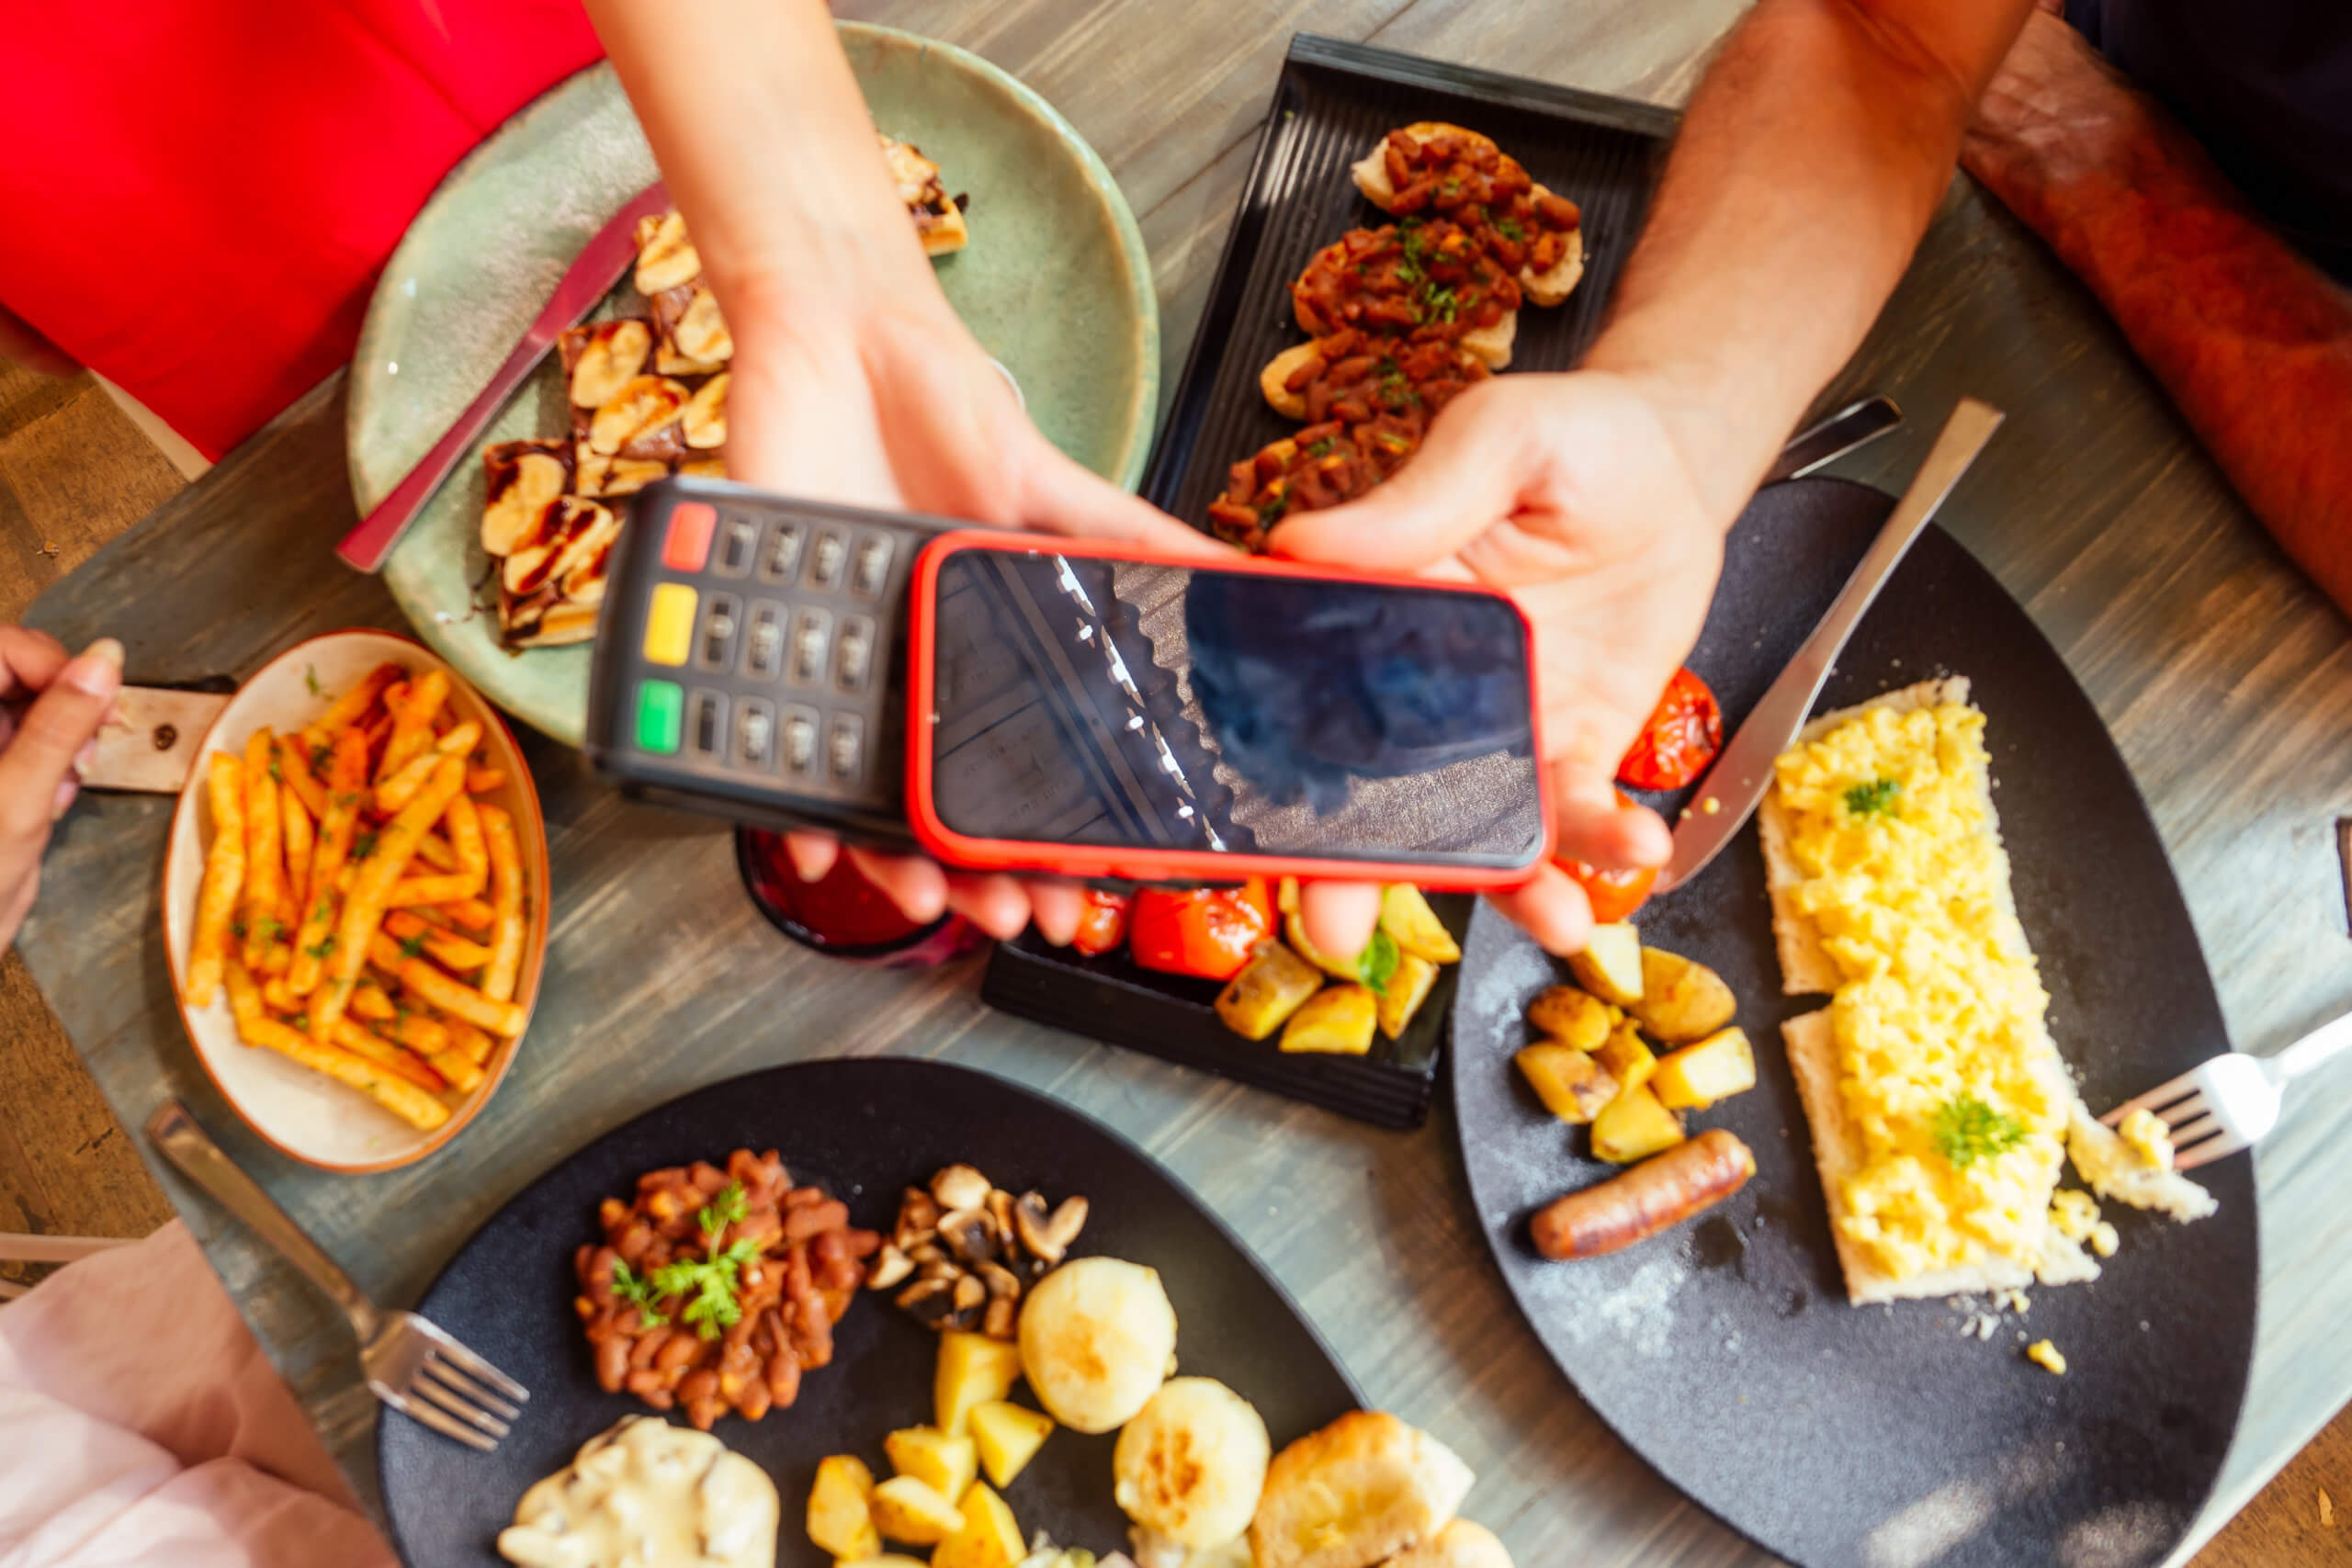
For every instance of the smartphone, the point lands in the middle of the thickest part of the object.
(1076, 707)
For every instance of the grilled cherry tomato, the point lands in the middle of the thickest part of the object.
(1101, 922)
(1614, 895)
(1685, 731)
(1208, 931)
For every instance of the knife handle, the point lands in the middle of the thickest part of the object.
(365, 547)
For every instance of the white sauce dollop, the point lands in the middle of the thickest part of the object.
(648, 1494)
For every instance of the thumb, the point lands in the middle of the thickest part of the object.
(39, 760)
(1060, 496)
(1467, 477)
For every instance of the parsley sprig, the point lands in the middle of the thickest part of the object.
(1968, 1130)
(708, 1284)
(1875, 799)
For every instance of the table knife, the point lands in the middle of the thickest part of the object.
(1856, 424)
(593, 272)
(1735, 785)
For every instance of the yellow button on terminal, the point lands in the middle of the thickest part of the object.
(670, 624)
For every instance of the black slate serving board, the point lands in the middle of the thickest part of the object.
(1724, 1352)
(863, 1129)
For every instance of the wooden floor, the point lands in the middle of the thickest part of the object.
(75, 471)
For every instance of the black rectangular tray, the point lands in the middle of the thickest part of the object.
(1173, 1016)
(1333, 103)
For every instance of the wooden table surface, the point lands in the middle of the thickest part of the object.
(2226, 678)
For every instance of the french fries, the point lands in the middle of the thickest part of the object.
(363, 911)
(224, 878)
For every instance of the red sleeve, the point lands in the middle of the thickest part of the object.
(219, 185)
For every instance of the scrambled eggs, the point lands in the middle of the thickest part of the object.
(1945, 1065)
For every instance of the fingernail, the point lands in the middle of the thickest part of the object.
(64, 801)
(84, 757)
(97, 670)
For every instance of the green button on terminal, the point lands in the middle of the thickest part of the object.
(660, 715)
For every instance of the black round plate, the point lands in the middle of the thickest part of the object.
(1724, 1352)
(864, 1129)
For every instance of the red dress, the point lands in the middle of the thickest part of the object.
(198, 195)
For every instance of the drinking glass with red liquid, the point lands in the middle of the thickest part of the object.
(841, 915)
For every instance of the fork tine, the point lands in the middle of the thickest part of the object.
(2191, 1131)
(424, 1385)
(426, 1414)
(458, 1355)
(2175, 1100)
(459, 1382)
(2206, 1151)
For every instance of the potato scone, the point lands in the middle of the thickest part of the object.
(1937, 1100)
(1190, 1465)
(1098, 1338)
(1459, 1545)
(1357, 1492)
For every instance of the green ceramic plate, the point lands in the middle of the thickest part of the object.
(1055, 284)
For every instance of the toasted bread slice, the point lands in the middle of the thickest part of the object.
(1272, 379)
(1491, 346)
(1806, 969)
(1551, 287)
(1370, 171)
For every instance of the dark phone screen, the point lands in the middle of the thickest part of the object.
(1135, 705)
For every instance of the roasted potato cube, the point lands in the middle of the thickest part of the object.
(948, 1465)
(910, 1510)
(1274, 984)
(1008, 1436)
(839, 1519)
(973, 1369)
(1572, 1017)
(1286, 895)
(1682, 1000)
(1572, 1086)
(1407, 916)
(1627, 1056)
(1337, 1019)
(1409, 987)
(1630, 1128)
(989, 1538)
(886, 1560)
(1697, 1075)
(1611, 964)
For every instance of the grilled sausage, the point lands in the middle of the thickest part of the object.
(1660, 1192)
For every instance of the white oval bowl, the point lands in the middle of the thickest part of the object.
(305, 1115)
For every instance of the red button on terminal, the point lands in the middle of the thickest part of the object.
(687, 544)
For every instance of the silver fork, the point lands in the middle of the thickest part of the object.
(412, 1364)
(2232, 1103)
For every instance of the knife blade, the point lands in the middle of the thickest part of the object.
(1735, 785)
(149, 745)
(1856, 424)
(592, 275)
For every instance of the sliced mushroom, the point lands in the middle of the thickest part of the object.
(665, 256)
(1002, 1283)
(889, 1267)
(997, 1323)
(971, 1295)
(969, 1234)
(960, 1187)
(1001, 1214)
(1046, 1236)
(939, 1268)
(608, 360)
(917, 1219)
(928, 1252)
(931, 1300)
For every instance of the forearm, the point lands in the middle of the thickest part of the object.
(763, 136)
(1807, 167)
(2254, 344)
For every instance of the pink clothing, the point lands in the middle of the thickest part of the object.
(140, 1424)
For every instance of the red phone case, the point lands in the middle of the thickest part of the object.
(951, 848)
